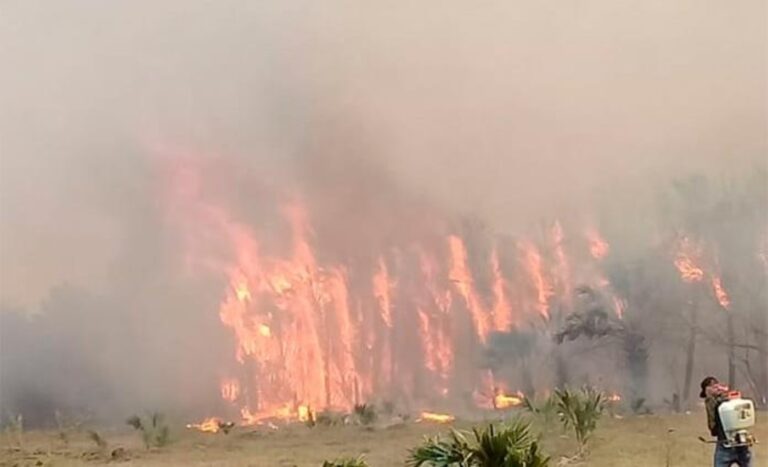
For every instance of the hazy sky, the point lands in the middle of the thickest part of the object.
(507, 108)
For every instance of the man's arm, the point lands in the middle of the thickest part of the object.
(711, 405)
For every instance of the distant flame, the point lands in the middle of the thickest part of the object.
(613, 397)
(722, 296)
(533, 263)
(598, 247)
(685, 261)
(502, 310)
(462, 279)
(230, 390)
(619, 305)
(436, 417)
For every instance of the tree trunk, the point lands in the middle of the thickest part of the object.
(691, 352)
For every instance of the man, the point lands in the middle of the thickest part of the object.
(714, 394)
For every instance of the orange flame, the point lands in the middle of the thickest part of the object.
(502, 311)
(440, 300)
(436, 417)
(462, 279)
(230, 390)
(619, 305)
(722, 296)
(598, 247)
(209, 425)
(304, 413)
(505, 401)
(381, 288)
(533, 264)
(613, 397)
(686, 260)
(562, 267)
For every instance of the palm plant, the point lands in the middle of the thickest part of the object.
(509, 445)
(580, 411)
(347, 462)
(546, 409)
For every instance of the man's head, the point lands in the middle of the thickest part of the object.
(708, 385)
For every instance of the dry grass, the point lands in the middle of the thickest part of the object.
(629, 442)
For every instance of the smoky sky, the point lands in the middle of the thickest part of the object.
(506, 109)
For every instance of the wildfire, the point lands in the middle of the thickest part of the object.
(311, 329)
(505, 401)
(613, 398)
(435, 417)
(686, 260)
(598, 247)
(209, 425)
(619, 305)
(230, 390)
(381, 288)
(304, 413)
(502, 311)
(722, 296)
(462, 278)
(534, 265)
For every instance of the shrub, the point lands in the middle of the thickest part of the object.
(580, 410)
(154, 431)
(330, 418)
(508, 445)
(547, 409)
(366, 413)
(347, 462)
(97, 439)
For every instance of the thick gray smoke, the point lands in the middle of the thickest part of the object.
(505, 111)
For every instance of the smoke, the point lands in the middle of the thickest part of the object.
(392, 122)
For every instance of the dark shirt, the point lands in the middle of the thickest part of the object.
(713, 417)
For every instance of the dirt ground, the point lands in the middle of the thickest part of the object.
(653, 440)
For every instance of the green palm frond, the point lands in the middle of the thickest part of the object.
(505, 445)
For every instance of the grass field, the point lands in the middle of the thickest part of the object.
(653, 440)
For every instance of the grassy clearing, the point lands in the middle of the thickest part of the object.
(628, 442)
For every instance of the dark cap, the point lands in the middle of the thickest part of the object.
(706, 382)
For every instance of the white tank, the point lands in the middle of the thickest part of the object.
(737, 416)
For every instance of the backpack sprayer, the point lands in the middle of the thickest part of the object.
(737, 416)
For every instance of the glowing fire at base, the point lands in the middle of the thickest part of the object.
(435, 417)
(504, 401)
(613, 398)
(209, 425)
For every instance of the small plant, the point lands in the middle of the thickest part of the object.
(330, 418)
(366, 413)
(61, 427)
(509, 445)
(100, 442)
(639, 408)
(347, 462)
(388, 408)
(154, 432)
(546, 409)
(16, 427)
(581, 410)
